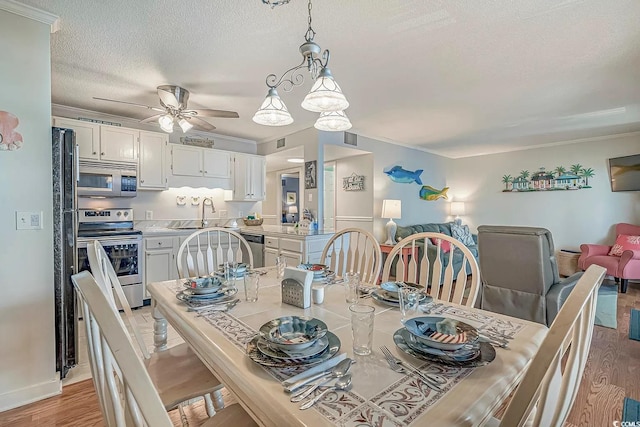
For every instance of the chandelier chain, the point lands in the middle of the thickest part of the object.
(310, 34)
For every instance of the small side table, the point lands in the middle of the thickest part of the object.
(405, 253)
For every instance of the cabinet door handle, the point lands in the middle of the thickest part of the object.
(94, 153)
(142, 181)
(206, 172)
(102, 154)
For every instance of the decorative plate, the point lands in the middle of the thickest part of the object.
(392, 287)
(293, 333)
(268, 350)
(441, 332)
(463, 354)
(255, 354)
(203, 285)
(385, 297)
(198, 300)
(487, 353)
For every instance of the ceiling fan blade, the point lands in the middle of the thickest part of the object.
(217, 113)
(130, 103)
(200, 124)
(152, 118)
(168, 98)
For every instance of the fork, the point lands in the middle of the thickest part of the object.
(399, 366)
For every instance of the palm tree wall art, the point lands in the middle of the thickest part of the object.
(575, 177)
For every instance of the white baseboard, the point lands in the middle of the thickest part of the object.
(30, 394)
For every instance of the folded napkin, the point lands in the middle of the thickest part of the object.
(316, 369)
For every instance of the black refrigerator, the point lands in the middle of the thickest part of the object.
(65, 176)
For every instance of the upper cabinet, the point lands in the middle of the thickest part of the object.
(151, 168)
(249, 177)
(196, 161)
(103, 142)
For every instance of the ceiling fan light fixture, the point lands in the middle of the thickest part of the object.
(185, 125)
(273, 112)
(325, 95)
(333, 121)
(166, 123)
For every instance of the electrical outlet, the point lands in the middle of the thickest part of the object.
(311, 197)
(148, 215)
(240, 214)
(223, 214)
(29, 220)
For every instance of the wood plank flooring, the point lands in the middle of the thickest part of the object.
(612, 372)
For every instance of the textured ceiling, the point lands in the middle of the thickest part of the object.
(453, 77)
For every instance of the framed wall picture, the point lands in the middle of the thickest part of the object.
(291, 197)
(310, 174)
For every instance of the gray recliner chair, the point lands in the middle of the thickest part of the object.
(519, 273)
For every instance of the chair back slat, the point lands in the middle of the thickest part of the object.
(127, 394)
(220, 244)
(546, 386)
(435, 269)
(354, 250)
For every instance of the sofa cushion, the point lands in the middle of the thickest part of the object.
(445, 246)
(462, 233)
(403, 232)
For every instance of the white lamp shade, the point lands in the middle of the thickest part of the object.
(457, 208)
(273, 112)
(391, 208)
(166, 123)
(325, 95)
(293, 209)
(333, 121)
(185, 125)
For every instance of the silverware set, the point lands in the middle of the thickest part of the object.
(403, 367)
(211, 308)
(304, 388)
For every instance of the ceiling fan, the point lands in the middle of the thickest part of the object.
(173, 101)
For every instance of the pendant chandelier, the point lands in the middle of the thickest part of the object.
(325, 96)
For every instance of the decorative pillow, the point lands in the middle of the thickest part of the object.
(625, 243)
(444, 246)
(462, 233)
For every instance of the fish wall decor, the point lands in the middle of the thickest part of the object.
(403, 176)
(10, 140)
(430, 194)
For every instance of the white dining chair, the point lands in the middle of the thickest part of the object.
(354, 250)
(424, 271)
(126, 392)
(549, 387)
(177, 373)
(205, 250)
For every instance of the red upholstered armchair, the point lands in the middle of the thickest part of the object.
(624, 267)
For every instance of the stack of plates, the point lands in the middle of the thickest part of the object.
(321, 272)
(443, 340)
(235, 270)
(388, 294)
(205, 291)
(293, 341)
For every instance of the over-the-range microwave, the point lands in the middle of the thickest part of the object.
(102, 179)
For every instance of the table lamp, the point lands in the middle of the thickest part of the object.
(293, 210)
(391, 209)
(457, 209)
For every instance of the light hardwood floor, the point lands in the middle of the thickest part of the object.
(612, 372)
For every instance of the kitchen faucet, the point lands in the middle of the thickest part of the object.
(213, 210)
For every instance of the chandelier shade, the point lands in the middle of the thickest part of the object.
(273, 112)
(166, 123)
(325, 96)
(185, 125)
(333, 121)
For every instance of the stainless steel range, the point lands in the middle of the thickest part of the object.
(113, 228)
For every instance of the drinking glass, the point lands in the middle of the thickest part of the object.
(351, 283)
(281, 263)
(362, 328)
(251, 285)
(409, 301)
(226, 271)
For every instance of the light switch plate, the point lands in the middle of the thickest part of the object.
(148, 215)
(29, 220)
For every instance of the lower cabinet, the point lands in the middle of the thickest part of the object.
(270, 255)
(307, 249)
(159, 260)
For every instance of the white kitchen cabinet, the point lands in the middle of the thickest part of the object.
(103, 142)
(249, 177)
(200, 162)
(119, 144)
(159, 259)
(87, 136)
(293, 259)
(270, 255)
(151, 165)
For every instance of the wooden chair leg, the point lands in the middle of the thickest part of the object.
(623, 285)
(208, 403)
(617, 280)
(218, 400)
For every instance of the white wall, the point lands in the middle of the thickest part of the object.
(573, 217)
(355, 208)
(27, 352)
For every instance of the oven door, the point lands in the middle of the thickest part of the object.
(96, 181)
(124, 253)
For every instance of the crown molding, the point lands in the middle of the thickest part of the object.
(31, 12)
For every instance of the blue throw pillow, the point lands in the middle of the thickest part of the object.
(462, 233)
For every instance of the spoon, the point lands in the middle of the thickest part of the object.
(340, 370)
(343, 383)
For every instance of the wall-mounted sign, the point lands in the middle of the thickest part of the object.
(575, 177)
(197, 142)
(10, 140)
(353, 183)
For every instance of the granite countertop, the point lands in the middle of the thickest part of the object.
(157, 228)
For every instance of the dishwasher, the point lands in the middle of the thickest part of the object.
(256, 244)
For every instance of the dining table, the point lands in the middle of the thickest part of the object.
(468, 396)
